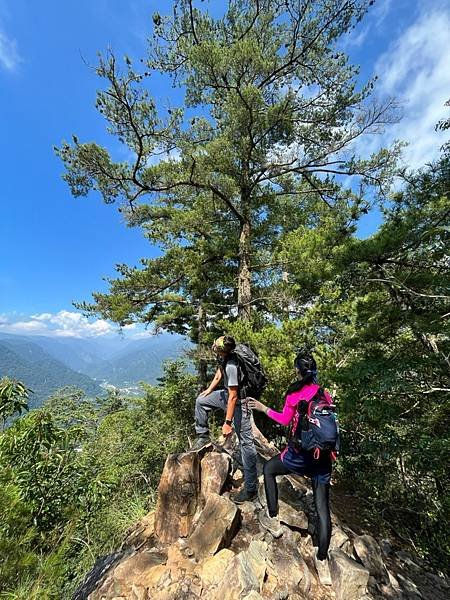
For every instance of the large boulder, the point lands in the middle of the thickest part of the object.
(244, 574)
(211, 570)
(288, 570)
(340, 540)
(178, 496)
(349, 578)
(216, 526)
(215, 467)
(369, 553)
(292, 517)
(180, 551)
(141, 570)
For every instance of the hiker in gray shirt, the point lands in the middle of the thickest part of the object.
(228, 400)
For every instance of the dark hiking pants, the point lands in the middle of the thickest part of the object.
(321, 491)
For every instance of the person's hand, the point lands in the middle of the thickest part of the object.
(204, 393)
(257, 405)
(226, 430)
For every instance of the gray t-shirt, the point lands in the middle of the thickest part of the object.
(231, 374)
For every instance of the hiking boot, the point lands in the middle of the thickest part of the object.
(323, 570)
(272, 524)
(200, 442)
(244, 496)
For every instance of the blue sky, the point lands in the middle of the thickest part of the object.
(55, 249)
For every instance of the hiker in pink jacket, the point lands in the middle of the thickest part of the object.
(313, 462)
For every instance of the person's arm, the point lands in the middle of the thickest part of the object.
(233, 394)
(231, 405)
(214, 383)
(284, 418)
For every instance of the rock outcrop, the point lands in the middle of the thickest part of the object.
(178, 496)
(199, 545)
(369, 553)
(349, 578)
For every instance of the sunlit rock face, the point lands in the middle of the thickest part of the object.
(198, 545)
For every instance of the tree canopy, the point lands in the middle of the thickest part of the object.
(257, 148)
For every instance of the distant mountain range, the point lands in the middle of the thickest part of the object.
(46, 364)
(28, 362)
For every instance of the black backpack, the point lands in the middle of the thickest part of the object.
(252, 379)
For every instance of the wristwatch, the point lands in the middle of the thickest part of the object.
(228, 422)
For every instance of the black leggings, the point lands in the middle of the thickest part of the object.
(321, 492)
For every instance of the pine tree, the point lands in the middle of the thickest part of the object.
(263, 139)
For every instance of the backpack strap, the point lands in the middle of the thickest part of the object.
(318, 394)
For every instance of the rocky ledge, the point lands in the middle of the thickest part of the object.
(198, 544)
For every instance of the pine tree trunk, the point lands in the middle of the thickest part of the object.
(202, 365)
(244, 275)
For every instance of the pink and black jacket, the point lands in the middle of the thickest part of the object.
(318, 411)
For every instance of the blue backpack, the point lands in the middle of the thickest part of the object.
(317, 428)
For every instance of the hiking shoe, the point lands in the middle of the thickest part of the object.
(323, 570)
(200, 442)
(244, 496)
(272, 524)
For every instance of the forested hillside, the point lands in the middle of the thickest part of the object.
(43, 374)
(114, 361)
(139, 361)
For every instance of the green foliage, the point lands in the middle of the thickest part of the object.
(43, 463)
(388, 323)
(16, 532)
(13, 398)
(256, 230)
(444, 125)
(77, 473)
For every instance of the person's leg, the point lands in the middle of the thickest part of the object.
(272, 469)
(204, 405)
(322, 501)
(243, 426)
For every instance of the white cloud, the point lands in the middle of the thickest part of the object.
(67, 323)
(416, 70)
(62, 324)
(380, 11)
(373, 20)
(24, 326)
(74, 324)
(9, 54)
(42, 317)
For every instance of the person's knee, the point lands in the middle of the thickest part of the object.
(199, 401)
(321, 502)
(267, 469)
